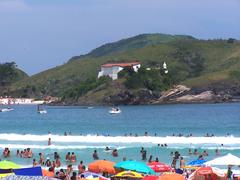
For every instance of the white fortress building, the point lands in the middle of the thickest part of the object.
(112, 69)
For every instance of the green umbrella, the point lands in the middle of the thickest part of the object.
(134, 166)
(8, 165)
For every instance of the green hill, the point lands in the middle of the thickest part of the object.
(193, 62)
(133, 43)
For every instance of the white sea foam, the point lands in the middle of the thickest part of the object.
(24, 146)
(93, 139)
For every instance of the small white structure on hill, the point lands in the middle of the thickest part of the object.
(165, 68)
(112, 69)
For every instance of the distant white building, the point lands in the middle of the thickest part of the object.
(165, 68)
(22, 101)
(112, 69)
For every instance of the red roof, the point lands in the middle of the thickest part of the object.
(128, 64)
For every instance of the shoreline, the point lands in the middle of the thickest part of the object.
(233, 101)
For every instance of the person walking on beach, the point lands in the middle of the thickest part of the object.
(95, 155)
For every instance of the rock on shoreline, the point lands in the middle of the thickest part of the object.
(178, 94)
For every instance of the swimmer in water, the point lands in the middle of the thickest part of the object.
(107, 149)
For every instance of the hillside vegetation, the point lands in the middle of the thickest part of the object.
(9, 74)
(195, 63)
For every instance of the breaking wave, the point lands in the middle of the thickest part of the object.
(228, 141)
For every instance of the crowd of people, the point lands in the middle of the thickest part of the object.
(25, 153)
(55, 164)
(146, 134)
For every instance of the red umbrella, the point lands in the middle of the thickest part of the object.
(150, 177)
(159, 167)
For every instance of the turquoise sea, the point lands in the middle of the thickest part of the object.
(94, 128)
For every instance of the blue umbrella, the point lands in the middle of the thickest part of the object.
(134, 166)
(198, 162)
(91, 174)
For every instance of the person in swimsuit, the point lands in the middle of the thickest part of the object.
(49, 141)
(81, 168)
(95, 155)
(73, 158)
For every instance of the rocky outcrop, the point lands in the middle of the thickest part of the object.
(207, 96)
(177, 94)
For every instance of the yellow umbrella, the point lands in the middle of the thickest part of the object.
(8, 165)
(129, 174)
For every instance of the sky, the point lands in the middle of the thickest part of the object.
(41, 34)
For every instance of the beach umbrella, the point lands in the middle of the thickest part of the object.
(207, 171)
(228, 159)
(134, 166)
(195, 164)
(15, 177)
(171, 176)
(150, 178)
(91, 175)
(47, 173)
(159, 167)
(129, 174)
(102, 166)
(8, 165)
(32, 171)
(198, 162)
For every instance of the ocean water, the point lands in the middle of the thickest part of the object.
(94, 128)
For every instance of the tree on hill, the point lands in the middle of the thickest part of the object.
(152, 79)
(7, 72)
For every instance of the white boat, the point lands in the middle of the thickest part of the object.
(115, 111)
(41, 110)
(6, 109)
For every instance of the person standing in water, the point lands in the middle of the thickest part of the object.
(95, 155)
(49, 141)
(182, 163)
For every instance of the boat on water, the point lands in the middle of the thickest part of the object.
(6, 109)
(115, 110)
(41, 110)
